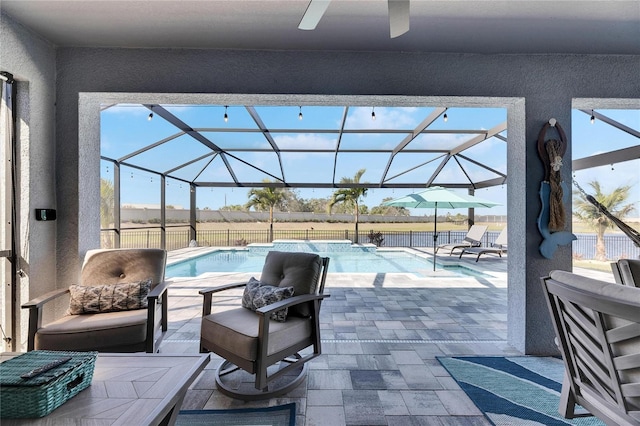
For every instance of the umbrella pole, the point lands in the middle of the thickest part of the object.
(435, 236)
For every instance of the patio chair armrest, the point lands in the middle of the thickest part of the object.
(208, 295)
(35, 307)
(292, 301)
(41, 300)
(158, 290)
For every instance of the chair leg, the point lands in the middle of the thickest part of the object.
(567, 401)
(567, 405)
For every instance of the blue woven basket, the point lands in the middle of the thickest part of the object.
(40, 395)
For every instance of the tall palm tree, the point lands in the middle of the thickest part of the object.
(106, 209)
(267, 198)
(350, 197)
(614, 202)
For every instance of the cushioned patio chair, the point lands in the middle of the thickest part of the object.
(499, 246)
(627, 272)
(259, 334)
(472, 239)
(119, 305)
(597, 326)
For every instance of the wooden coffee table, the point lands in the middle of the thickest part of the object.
(128, 389)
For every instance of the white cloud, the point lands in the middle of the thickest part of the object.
(305, 141)
(386, 118)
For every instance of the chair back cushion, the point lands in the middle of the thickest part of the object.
(113, 266)
(298, 270)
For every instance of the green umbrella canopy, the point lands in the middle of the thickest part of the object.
(437, 196)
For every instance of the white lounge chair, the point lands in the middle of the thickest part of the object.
(498, 247)
(472, 239)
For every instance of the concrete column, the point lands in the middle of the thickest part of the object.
(529, 325)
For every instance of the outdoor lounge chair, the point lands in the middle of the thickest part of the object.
(627, 272)
(597, 326)
(472, 239)
(259, 335)
(120, 305)
(498, 247)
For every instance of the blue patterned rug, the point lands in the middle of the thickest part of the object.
(517, 390)
(281, 415)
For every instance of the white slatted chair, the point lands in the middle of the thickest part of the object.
(597, 327)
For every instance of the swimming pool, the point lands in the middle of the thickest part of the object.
(378, 261)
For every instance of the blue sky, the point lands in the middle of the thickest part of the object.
(125, 129)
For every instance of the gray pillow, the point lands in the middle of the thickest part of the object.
(258, 294)
(95, 299)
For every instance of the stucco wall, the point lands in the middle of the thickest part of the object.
(533, 88)
(31, 59)
(537, 87)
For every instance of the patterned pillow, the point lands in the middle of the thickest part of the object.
(258, 294)
(108, 298)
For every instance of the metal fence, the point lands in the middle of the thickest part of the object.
(617, 246)
(229, 238)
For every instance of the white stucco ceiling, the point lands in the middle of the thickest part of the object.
(488, 26)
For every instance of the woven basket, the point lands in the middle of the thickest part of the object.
(40, 395)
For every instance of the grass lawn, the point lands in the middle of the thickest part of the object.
(593, 264)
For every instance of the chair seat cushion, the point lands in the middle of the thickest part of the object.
(94, 331)
(236, 330)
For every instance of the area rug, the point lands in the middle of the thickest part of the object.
(514, 390)
(280, 415)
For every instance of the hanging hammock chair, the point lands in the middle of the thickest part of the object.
(629, 231)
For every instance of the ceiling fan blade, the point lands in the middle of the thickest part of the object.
(313, 14)
(398, 17)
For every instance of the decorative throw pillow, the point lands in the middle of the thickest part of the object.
(258, 294)
(108, 298)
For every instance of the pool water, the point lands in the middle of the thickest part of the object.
(346, 262)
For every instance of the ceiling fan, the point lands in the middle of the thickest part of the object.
(398, 16)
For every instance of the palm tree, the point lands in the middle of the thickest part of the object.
(614, 202)
(350, 197)
(106, 209)
(266, 198)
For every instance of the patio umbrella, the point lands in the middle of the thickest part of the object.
(437, 196)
